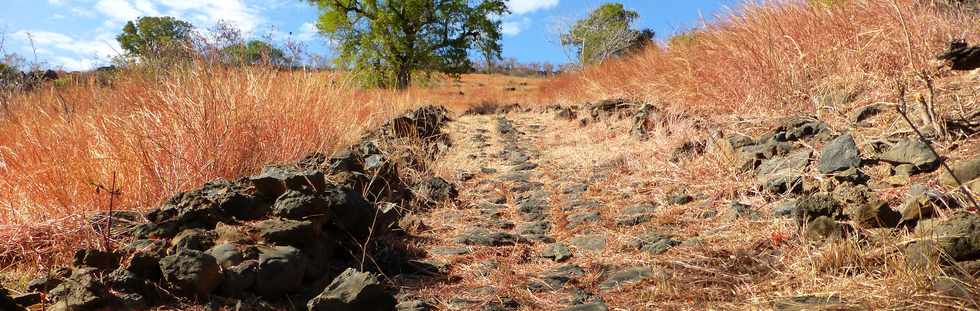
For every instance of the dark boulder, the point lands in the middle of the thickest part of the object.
(681, 199)
(304, 205)
(961, 56)
(963, 172)
(628, 276)
(287, 232)
(873, 215)
(145, 259)
(557, 252)
(738, 210)
(859, 115)
(280, 271)
(136, 292)
(234, 202)
(192, 239)
(46, 283)
(654, 243)
(485, 237)
(797, 128)
(590, 242)
(811, 207)
(319, 256)
(582, 218)
(353, 291)
(81, 291)
(824, 228)
(198, 209)
(911, 151)
(191, 273)
(437, 189)
(840, 154)
(98, 259)
(566, 113)
(956, 238)
(227, 255)
(783, 174)
(751, 156)
(273, 181)
(355, 215)
(556, 278)
(425, 122)
(922, 203)
(239, 278)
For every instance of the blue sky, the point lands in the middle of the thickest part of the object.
(80, 34)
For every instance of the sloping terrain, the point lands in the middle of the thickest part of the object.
(600, 206)
(792, 156)
(554, 214)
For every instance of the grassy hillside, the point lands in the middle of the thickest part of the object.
(62, 146)
(783, 57)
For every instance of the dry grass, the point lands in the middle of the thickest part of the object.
(61, 147)
(736, 74)
(781, 57)
(725, 263)
(740, 73)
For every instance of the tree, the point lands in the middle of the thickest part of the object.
(606, 33)
(254, 52)
(387, 40)
(156, 37)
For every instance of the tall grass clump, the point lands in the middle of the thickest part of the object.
(781, 56)
(160, 134)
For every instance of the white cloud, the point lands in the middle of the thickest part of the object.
(75, 54)
(199, 12)
(121, 10)
(85, 50)
(514, 23)
(76, 64)
(41, 37)
(82, 12)
(307, 32)
(521, 7)
(206, 13)
(514, 27)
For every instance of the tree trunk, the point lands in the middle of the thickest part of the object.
(403, 77)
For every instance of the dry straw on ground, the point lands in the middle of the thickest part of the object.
(162, 134)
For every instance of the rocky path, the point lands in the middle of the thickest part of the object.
(557, 212)
(527, 232)
(537, 210)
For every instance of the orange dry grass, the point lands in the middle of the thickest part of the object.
(780, 55)
(159, 136)
(475, 89)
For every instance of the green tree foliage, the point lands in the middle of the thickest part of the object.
(683, 39)
(255, 52)
(606, 33)
(8, 76)
(152, 37)
(385, 41)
